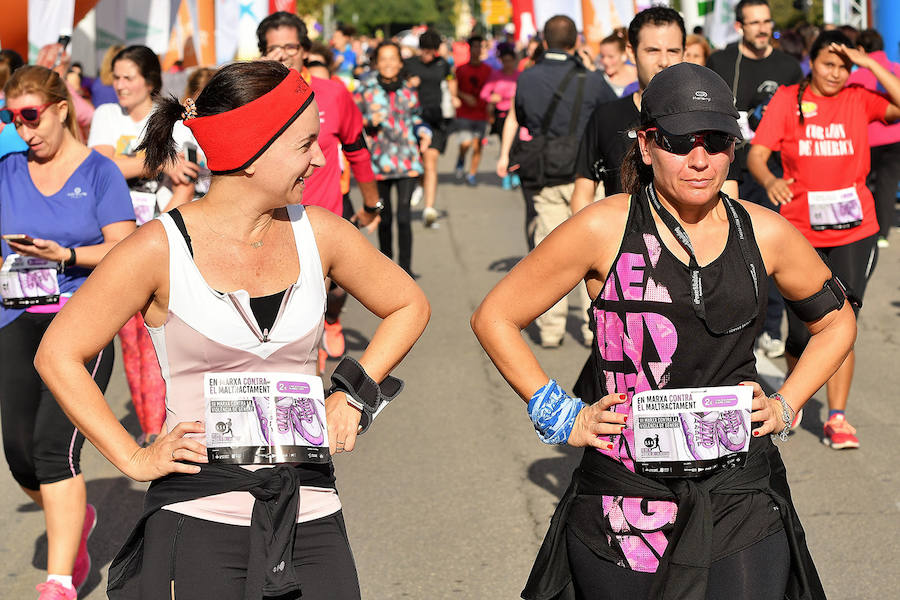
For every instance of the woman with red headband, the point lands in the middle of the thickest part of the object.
(242, 502)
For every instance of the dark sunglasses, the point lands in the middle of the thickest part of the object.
(30, 114)
(713, 141)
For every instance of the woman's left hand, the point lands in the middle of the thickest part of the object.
(766, 411)
(855, 55)
(46, 249)
(343, 423)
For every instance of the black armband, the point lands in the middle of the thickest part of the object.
(359, 144)
(362, 391)
(830, 297)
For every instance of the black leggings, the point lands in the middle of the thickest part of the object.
(759, 572)
(195, 559)
(882, 180)
(853, 264)
(40, 443)
(405, 188)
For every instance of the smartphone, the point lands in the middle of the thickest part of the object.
(191, 152)
(63, 41)
(19, 238)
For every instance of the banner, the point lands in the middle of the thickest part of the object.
(226, 27)
(47, 20)
(602, 16)
(523, 19)
(544, 9)
(719, 24)
(251, 13)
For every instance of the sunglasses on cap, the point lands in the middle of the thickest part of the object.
(713, 141)
(30, 114)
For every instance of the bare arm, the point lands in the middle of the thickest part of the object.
(889, 81)
(384, 289)
(778, 189)
(800, 273)
(585, 190)
(85, 256)
(510, 127)
(82, 329)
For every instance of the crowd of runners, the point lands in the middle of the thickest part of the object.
(212, 229)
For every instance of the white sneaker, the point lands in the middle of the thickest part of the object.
(883, 243)
(770, 346)
(430, 215)
(417, 196)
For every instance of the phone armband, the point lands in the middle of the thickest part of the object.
(830, 297)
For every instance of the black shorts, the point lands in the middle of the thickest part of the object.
(186, 557)
(40, 443)
(439, 132)
(853, 264)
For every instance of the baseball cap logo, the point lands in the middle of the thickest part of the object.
(701, 95)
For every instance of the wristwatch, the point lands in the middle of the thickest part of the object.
(375, 210)
(786, 416)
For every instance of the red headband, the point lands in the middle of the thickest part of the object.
(232, 140)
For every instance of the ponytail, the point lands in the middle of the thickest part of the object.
(635, 174)
(158, 145)
(800, 89)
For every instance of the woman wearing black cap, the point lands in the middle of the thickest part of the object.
(242, 502)
(676, 271)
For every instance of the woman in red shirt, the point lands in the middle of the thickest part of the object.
(820, 126)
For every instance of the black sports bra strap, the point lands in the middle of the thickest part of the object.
(179, 223)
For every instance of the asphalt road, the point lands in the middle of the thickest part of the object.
(450, 493)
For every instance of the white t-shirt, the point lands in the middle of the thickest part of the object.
(111, 126)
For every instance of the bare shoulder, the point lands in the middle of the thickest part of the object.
(606, 216)
(768, 225)
(324, 222)
(149, 243)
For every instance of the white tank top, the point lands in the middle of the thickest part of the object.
(208, 331)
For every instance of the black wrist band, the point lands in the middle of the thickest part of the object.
(362, 391)
(71, 260)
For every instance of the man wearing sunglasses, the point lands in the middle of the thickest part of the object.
(754, 69)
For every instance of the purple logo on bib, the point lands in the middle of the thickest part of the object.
(720, 401)
(293, 387)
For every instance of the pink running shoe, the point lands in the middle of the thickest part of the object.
(82, 567)
(306, 421)
(840, 434)
(732, 433)
(54, 590)
(701, 434)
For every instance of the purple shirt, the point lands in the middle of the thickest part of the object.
(95, 196)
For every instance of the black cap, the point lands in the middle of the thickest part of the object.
(687, 98)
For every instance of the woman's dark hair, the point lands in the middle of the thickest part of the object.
(147, 63)
(825, 39)
(231, 87)
(792, 43)
(870, 40)
(615, 38)
(325, 52)
(635, 174)
(429, 40)
(851, 32)
(9, 62)
(505, 49)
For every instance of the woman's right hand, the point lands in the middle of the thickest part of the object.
(596, 420)
(162, 456)
(779, 190)
(182, 171)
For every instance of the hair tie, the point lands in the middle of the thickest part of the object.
(190, 110)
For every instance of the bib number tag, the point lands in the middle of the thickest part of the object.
(837, 209)
(144, 204)
(28, 281)
(265, 418)
(691, 432)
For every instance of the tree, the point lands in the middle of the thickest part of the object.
(369, 14)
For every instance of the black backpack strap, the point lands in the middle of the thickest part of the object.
(579, 96)
(557, 96)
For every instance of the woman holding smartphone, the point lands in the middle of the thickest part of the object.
(62, 208)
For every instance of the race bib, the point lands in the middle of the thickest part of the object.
(28, 281)
(144, 204)
(691, 432)
(837, 209)
(265, 418)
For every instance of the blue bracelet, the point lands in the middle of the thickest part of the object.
(553, 413)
